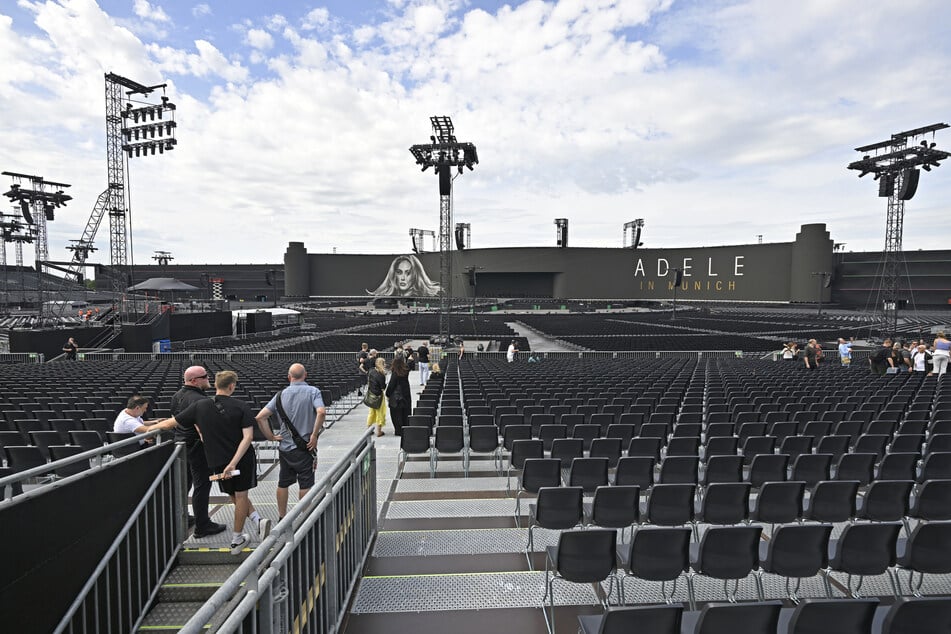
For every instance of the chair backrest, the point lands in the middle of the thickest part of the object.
(58, 452)
(723, 469)
(832, 501)
(616, 506)
(729, 552)
(937, 466)
(640, 446)
(87, 439)
(21, 458)
(812, 468)
(923, 615)
(566, 450)
(768, 468)
(524, 449)
(797, 550)
(588, 473)
(886, 500)
(730, 618)
(558, 507)
(927, 548)
(671, 504)
(637, 470)
(659, 553)
(587, 556)
(842, 616)
(726, 503)
(779, 502)
(856, 466)
(540, 472)
(650, 619)
(482, 438)
(679, 470)
(449, 439)
(865, 549)
(586, 433)
(125, 450)
(933, 501)
(609, 448)
(835, 445)
(415, 439)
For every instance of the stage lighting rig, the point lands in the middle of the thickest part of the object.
(636, 227)
(895, 164)
(443, 153)
(163, 257)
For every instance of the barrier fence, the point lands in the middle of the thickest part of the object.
(302, 576)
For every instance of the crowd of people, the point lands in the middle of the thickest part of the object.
(891, 358)
(217, 432)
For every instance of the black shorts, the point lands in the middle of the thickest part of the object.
(297, 465)
(247, 479)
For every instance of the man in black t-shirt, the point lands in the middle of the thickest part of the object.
(226, 426)
(422, 356)
(195, 382)
(362, 366)
(70, 348)
(881, 359)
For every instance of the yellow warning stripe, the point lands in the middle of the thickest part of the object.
(454, 574)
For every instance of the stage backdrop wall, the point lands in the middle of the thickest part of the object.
(755, 272)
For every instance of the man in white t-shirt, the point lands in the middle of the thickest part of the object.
(510, 355)
(129, 420)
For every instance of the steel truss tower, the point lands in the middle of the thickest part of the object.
(444, 153)
(895, 166)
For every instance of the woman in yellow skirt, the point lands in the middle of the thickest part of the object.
(376, 384)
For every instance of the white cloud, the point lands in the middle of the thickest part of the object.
(715, 121)
(145, 10)
(316, 18)
(259, 39)
(201, 10)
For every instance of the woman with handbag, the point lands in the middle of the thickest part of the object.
(398, 394)
(376, 383)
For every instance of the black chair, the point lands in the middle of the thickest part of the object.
(128, 449)
(925, 552)
(588, 473)
(449, 440)
(811, 468)
(724, 503)
(484, 439)
(835, 446)
(796, 551)
(679, 470)
(864, 550)
(566, 450)
(61, 452)
(757, 446)
(760, 617)
(936, 466)
(24, 457)
(779, 503)
(649, 447)
(832, 501)
(549, 433)
(828, 616)
(521, 451)
(555, 508)
(636, 470)
(727, 553)
(856, 466)
(872, 443)
(609, 448)
(43, 440)
(650, 619)
(536, 473)
(623, 431)
(721, 446)
(587, 557)
(926, 615)
(898, 466)
(658, 555)
(614, 507)
(415, 440)
(513, 433)
(885, 501)
(767, 468)
(932, 503)
(86, 439)
(669, 505)
(719, 469)
(587, 433)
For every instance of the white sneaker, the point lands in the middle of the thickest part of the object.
(264, 528)
(239, 545)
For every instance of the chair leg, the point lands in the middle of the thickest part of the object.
(828, 584)
(691, 597)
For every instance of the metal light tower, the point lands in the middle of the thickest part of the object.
(895, 166)
(636, 227)
(443, 153)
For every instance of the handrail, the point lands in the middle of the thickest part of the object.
(117, 542)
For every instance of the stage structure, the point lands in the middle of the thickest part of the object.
(463, 235)
(163, 257)
(443, 153)
(417, 236)
(133, 128)
(38, 206)
(12, 232)
(636, 227)
(895, 165)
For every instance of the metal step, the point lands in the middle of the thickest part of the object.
(169, 617)
(194, 582)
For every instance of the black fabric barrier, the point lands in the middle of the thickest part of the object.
(52, 543)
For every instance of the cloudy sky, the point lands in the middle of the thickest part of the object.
(714, 120)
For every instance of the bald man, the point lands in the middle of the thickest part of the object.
(304, 407)
(195, 382)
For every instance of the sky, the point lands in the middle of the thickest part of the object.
(716, 121)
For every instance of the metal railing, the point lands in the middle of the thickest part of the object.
(127, 578)
(21, 357)
(302, 576)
